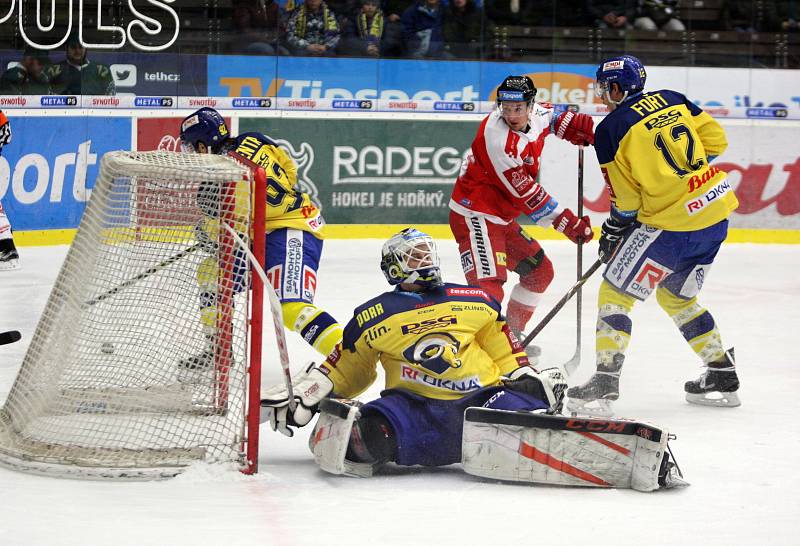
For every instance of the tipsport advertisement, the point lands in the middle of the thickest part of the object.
(48, 170)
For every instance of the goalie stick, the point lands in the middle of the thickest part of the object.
(143, 275)
(10, 337)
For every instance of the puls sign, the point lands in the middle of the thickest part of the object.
(162, 29)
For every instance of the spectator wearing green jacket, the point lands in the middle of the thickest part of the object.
(76, 75)
(29, 76)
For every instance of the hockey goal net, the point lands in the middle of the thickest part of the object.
(147, 355)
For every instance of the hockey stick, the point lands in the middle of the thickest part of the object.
(143, 275)
(277, 313)
(9, 337)
(557, 307)
(572, 364)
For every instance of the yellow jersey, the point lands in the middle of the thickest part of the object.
(654, 150)
(443, 343)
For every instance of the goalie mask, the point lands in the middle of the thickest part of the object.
(411, 257)
(205, 125)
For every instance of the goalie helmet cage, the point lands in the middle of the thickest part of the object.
(102, 392)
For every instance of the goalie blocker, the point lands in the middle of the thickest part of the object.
(539, 448)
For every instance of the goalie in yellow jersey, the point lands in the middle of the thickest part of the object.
(294, 225)
(669, 216)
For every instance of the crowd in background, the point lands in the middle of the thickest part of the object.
(439, 29)
(460, 28)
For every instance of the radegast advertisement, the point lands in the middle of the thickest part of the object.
(368, 172)
(48, 171)
(407, 81)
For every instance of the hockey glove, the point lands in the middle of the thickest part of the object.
(547, 385)
(575, 128)
(613, 232)
(309, 388)
(579, 230)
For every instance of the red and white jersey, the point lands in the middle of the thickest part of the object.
(498, 175)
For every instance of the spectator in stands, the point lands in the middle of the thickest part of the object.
(312, 29)
(658, 15)
(509, 12)
(76, 75)
(464, 29)
(750, 15)
(363, 35)
(422, 29)
(392, 45)
(788, 15)
(28, 77)
(256, 26)
(616, 14)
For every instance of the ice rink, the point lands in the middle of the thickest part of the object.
(742, 462)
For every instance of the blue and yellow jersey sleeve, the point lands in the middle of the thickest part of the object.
(287, 206)
(441, 344)
(654, 152)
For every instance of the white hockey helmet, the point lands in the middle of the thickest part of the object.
(411, 257)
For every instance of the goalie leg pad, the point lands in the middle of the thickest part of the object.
(331, 438)
(541, 448)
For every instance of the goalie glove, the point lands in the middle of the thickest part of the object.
(309, 387)
(547, 385)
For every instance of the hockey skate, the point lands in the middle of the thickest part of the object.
(595, 396)
(717, 385)
(9, 257)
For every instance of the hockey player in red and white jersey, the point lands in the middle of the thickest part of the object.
(499, 180)
(9, 257)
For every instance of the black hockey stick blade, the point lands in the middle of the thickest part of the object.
(563, 301)
(11, 336)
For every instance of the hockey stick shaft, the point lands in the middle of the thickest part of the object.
(558, 306)
(572, 364)
(277, 313)
(9, 337)
(143, 275)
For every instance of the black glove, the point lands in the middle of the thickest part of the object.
(611, 235)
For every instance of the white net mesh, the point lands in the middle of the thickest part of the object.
(138, 364)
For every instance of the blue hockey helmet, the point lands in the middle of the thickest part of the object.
(205, 125)
(411, 257)
(626, 70)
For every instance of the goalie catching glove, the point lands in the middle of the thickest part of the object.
(309, 387)
(547, 385)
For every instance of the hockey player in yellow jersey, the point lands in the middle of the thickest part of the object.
(295, 229)
(443, 347)
(669, 210)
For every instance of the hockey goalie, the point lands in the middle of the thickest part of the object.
(459, 388)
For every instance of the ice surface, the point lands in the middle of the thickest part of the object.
(742, 462)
